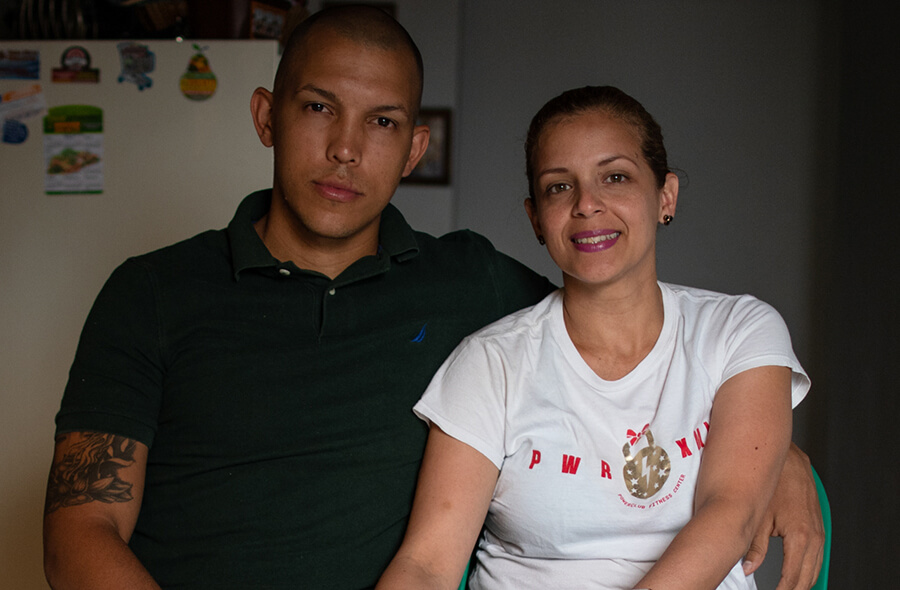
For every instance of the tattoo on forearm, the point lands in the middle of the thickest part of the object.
(89, 472)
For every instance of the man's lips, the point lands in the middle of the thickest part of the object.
(337, 191)
(595, 241)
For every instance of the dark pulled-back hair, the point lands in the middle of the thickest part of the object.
(605, 99)
(366, 25)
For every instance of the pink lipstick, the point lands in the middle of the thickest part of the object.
(595, 241)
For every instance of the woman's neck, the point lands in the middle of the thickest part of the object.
(613, 327)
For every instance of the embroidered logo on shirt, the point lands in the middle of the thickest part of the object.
(421, 335)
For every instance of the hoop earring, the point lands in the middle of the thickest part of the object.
(541, 240)
(667, 219)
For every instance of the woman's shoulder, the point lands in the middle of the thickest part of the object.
(702, 306)
(524, 323)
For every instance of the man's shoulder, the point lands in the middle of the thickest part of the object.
(205, 257)
(463, 245)
(470, 253)
(197, 250)
(470, 259)
(456, 241)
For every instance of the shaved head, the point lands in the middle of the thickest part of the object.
(365, 25)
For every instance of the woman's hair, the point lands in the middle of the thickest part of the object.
(613, 102)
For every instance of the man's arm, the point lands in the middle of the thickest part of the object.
(794, 514)
(93, 499)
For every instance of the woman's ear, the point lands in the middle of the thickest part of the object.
(531, 210)
(668, 196)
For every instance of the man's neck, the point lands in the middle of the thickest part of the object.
(327, 256)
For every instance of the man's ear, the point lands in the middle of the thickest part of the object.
(421, 135)
(261, 105)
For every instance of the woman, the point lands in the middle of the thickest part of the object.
(577, 426)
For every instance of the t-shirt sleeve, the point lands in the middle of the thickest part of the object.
(759, 337)
(466, 399)
(115, 383)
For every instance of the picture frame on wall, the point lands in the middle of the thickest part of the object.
(266, 20)
(434, 167)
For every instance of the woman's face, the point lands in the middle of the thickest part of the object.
(597, 203)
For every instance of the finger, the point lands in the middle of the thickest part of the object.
(757, 552)
(810, 572)
(799, 567)
(817, 569)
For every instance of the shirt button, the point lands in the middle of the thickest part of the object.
(331, 292)
(284, 272)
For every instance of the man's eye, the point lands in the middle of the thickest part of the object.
(316, 107)
(384, 122)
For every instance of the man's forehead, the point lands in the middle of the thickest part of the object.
(336, 65)
(329, 42)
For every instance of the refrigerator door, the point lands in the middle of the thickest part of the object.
(168, 166)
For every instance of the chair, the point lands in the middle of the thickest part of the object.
(822, 582)
(465, 578)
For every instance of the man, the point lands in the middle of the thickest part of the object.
(238, 412)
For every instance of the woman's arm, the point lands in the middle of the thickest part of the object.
(455, 487)
(749, 435)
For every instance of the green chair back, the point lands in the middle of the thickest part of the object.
(465, 578)
(822, 582)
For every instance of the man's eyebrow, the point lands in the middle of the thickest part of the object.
(321, 92)
(331, 96)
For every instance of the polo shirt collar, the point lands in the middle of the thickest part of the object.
(396, 238)
(247, 248)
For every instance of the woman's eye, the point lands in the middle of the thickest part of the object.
(555, 189)
(616, 178)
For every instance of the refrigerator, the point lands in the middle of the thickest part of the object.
(109, 149)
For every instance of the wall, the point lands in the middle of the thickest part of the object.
(170, 172)
(856, 299)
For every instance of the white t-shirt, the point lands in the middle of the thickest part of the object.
(596, 477)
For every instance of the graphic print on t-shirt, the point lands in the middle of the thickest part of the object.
(646, 472)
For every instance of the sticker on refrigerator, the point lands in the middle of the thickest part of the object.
(76, 67)
(14, 131)
(198, 82)
(15, 107)
(137, 61)
(73, 150)
(21, 64)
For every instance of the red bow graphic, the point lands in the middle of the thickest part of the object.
(636, 436)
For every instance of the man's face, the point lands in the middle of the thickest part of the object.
(343, 133)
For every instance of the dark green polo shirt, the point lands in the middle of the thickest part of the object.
(277, 402)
